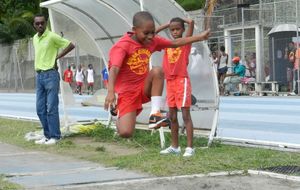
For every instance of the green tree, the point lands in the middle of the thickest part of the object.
(16, 19)
(190, 5)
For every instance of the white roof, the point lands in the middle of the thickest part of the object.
(105, 21)
(283, 28)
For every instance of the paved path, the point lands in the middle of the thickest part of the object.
(40, 170)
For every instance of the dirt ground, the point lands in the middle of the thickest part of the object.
(237, 182)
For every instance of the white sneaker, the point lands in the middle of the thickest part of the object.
(51, 141)
(41, 141)
(171, 150)
(189, 152)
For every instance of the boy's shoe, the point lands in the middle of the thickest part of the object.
(171, 150)
(41, 141)
(157, 120)
(51, 141)
(189, 152)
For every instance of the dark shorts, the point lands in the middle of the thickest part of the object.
(223, 70)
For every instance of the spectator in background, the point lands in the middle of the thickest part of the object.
(73, 69)
(233, 79)
(90, 78)
(222, 68)
(252, 65)
(295, 72)
(290, 56)
(79, 79)
(104, 74)
(215, 60)
(68, 75)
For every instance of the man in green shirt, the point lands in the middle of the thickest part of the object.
(46, 45)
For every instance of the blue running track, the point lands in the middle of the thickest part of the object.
(275, 119)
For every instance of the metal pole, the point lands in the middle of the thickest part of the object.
(243, 37)
(142, 5)
(273, 59)
(297, 34)
(275, 13)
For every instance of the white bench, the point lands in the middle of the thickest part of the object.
(269, 87)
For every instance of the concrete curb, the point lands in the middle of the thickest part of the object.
(213, 174)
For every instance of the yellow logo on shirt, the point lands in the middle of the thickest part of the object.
(173, 54)
(138, 62)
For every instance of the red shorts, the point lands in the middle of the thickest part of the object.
(131, 101)
(90, 84)
(79, 83)
(179, 92)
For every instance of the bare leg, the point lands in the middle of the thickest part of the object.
(174, 126)
(126, 124)
(189, 126)
(154, 82)
(221, 84)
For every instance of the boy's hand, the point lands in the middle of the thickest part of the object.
(109, 100)
(206, 34)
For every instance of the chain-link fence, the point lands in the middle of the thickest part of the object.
(268, 27)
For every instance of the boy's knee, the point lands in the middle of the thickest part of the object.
(158, 71)
(125, 134)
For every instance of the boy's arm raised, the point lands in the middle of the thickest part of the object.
(190, 30)
(188, 40)
(110, 97)
(162, 27)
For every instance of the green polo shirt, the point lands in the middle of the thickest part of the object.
(46, 48)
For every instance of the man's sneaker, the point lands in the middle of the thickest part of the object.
(51, 141)
(171, 150)
(189, 152)
(41, 141)
(157, 120)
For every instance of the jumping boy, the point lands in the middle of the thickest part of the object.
(129, 74)
(179, 91)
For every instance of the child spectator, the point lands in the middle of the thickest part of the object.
(179, 93)
(222, 68)
(104, 77)
(129, 74)
(79, 79)
(68, 75)
(90, 79)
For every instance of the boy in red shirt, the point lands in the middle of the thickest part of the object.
(179, 91)
(129, 74)
(68, 75)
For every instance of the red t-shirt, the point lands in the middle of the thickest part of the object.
(175, 61)
(68, 76)
(133, 60)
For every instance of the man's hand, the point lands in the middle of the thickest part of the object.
(110, 100)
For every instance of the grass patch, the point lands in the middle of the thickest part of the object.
(141, 152)
(5, 185)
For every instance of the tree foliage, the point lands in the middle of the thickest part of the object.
(16, 19)
(190, 5)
